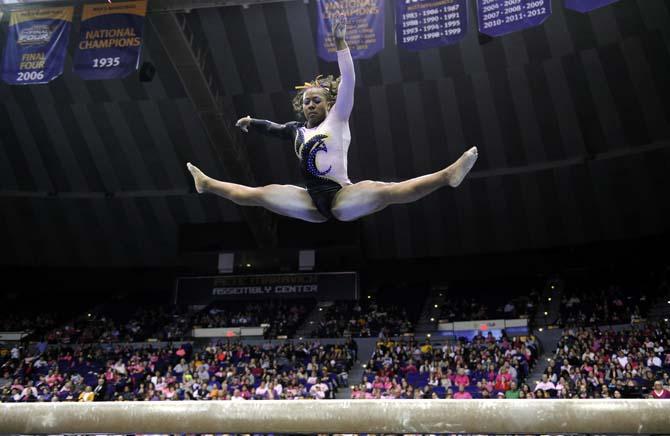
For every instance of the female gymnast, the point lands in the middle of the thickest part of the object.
(321, 144)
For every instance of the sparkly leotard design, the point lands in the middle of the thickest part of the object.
(322, 150)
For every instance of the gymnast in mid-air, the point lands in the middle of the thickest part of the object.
(321, 142)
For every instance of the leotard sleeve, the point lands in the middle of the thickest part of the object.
(269, 128)
(345, 93)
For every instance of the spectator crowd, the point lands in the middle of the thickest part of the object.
(282, 317)
(610, 305)
(595, 363)
(484, 367)
(221, 371)
(367, 319)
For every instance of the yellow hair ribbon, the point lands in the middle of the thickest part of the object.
(314, 84)
(305, 86)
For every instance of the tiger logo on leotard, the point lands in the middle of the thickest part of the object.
(307, 151)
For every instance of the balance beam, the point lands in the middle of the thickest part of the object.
(341, 416)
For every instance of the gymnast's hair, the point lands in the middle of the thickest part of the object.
(329, 85)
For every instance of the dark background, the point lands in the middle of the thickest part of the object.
(569, 118)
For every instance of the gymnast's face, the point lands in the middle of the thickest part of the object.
(314, 106)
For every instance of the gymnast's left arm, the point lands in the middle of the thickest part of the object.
(345, 93)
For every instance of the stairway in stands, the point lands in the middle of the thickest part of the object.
(549, 341)
(430, 314)
(545, 329)
(312, 320)
(660, 310)
(366, 346)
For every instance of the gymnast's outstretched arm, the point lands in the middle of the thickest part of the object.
(345, 92)
(269, 128)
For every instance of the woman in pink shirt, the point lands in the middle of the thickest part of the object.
(54, 379)
(356, 393)
(461, 378)
(503, 379)
(170, 392)
(378, 383)
(462, 394)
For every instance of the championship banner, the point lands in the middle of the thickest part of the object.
(36, 45)
(422, 24)
(500, 17)
(365, 27)
(587, 5)
(319, 286)
(110, 40)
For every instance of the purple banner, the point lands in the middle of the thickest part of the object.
(365, 27)
(500, 17)
(110, 40)
(587, 5)
(422, 24)
(36, 45)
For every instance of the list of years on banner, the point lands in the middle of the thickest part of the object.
(505, 13)
(426, 21)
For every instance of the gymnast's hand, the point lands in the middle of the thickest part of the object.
(243, 123)
(339, 26)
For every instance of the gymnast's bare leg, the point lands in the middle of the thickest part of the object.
(367, 197)
(351, 203)
(288, 200)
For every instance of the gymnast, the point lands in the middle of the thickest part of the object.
(321, 143)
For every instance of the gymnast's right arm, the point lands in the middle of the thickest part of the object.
(266, 127)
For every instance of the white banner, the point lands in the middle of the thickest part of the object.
(482, 325)
(13, 336)
(228, 332)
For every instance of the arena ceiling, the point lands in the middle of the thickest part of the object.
(568, 117)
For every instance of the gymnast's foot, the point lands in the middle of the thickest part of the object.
(199, 178)
(457, 171)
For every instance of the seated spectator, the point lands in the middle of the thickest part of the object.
(87, 394)
(503, 380)
(545, 384)
(512, 392)
(461, 378)
(659, 392)
(462, 394)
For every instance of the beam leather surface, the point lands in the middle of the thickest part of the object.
(341, 416)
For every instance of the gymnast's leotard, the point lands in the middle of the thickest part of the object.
(322, 150)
